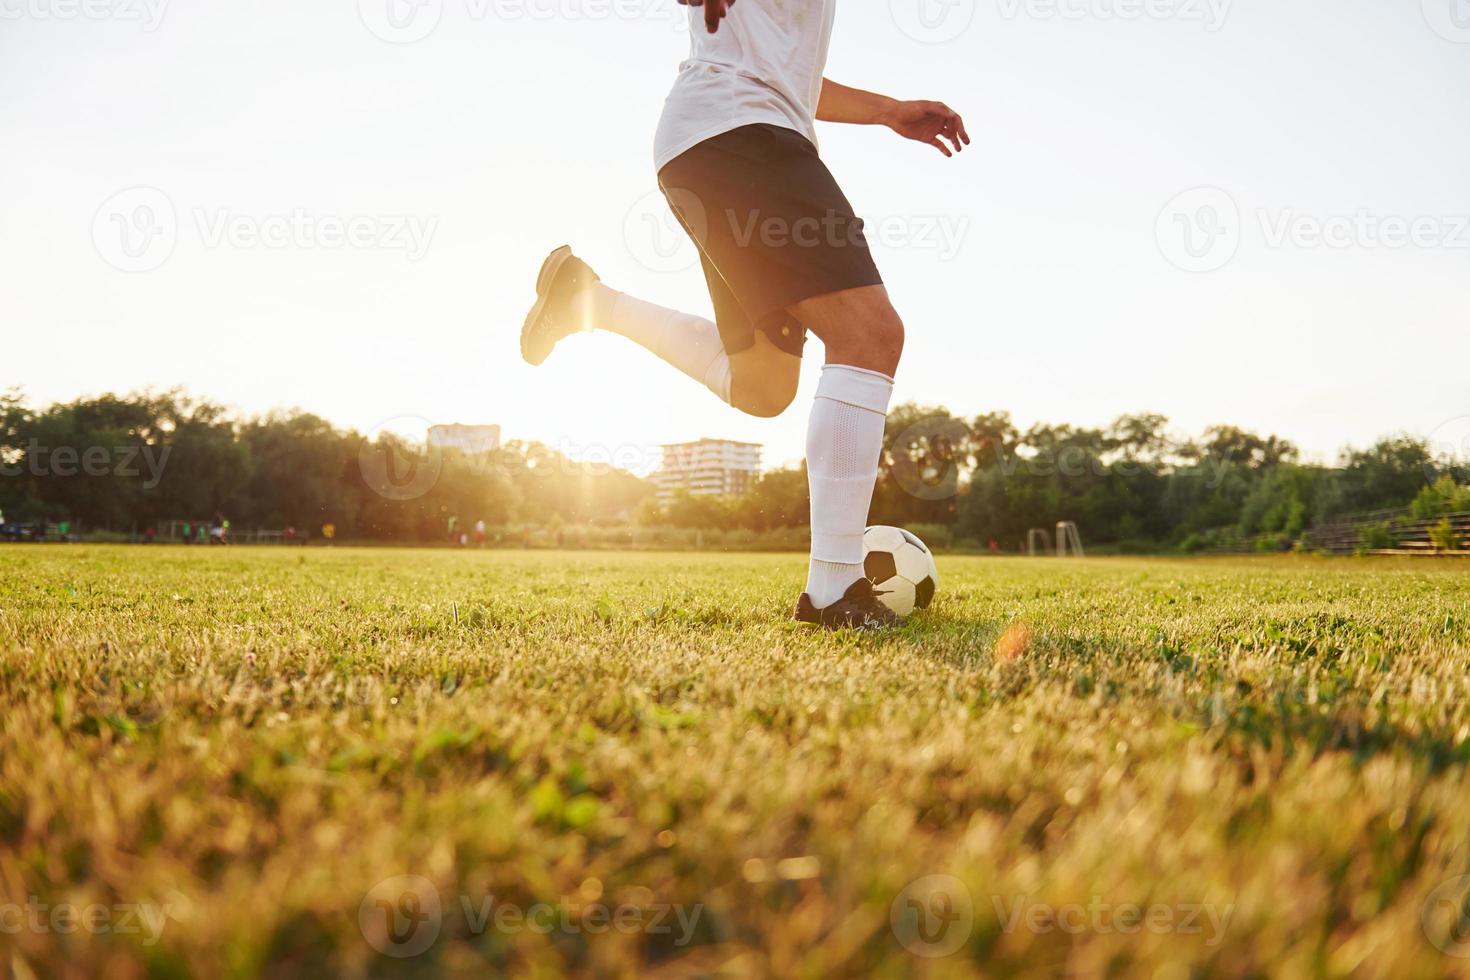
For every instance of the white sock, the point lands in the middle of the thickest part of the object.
(690, 343)
(843, 442)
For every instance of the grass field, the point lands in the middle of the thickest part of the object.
(220, 761)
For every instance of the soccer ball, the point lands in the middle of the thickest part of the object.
(900, 567)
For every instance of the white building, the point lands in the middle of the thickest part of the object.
(709, 466)
(469, 439)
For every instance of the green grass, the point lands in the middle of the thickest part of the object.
(251, 740)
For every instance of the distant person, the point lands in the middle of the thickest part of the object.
(783, 251)
(480, 534)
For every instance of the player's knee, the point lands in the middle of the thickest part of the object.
(765, 400)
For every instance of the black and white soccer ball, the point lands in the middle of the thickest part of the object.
(901, 568)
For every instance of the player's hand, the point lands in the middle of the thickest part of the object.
(714, 11)
(928, 122)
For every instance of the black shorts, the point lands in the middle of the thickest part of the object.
(772, 226)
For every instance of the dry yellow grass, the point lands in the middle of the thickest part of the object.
(615, 765)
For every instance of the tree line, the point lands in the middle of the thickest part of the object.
(126, 463)
(122, 463)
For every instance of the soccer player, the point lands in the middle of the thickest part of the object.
(782, 253)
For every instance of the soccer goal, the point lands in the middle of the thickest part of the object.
(1038, 541)
(1067, 537)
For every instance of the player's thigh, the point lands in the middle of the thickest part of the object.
(859, 327)
(763, 378)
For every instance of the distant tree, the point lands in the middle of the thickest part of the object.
(1388, 474)
(699, 510)
(1229, 444)
(927, 455)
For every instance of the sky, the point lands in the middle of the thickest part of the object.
(1254, 213)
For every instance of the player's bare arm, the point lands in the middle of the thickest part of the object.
(920, 120)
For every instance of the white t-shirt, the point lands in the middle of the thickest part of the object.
(764, 65)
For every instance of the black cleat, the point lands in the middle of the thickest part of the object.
(858, 609)
(560, 285)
